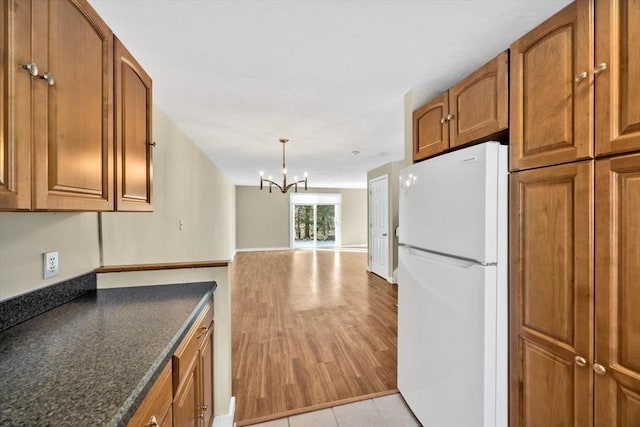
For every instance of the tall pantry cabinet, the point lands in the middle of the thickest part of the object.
(575, 220)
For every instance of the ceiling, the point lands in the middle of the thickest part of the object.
(329, 75)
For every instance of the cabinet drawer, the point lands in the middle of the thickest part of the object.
(157, 402)
(186, 353)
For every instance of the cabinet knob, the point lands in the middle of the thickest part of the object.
(153, 422)
(581, 361)
(450, 117)
(48, 78)
(442, 120)
(153, 144)
(599, 68)
(599, 369)
(581, 76)
(31, 68)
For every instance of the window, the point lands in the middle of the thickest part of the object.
(315, 220)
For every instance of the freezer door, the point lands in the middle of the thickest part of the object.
(448, 340)
(449, 204)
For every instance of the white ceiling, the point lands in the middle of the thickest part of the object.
(329, 75)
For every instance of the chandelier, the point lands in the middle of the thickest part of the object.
(284, 187)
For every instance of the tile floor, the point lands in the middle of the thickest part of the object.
(386, 411)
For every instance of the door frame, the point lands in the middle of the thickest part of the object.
(386, 268)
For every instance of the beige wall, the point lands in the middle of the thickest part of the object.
(24, 237)
(262, 218)
(187, 186)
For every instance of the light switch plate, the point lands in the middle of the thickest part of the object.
(51, 264)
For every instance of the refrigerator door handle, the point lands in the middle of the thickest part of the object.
(441, 259)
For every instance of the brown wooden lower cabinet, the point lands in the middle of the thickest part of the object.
(575, 341)
(193, 374)
(182, 395)
(156, 406)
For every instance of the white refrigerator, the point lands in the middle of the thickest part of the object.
(452, 288)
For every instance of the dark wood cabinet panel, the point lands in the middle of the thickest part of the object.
(185, 404)
(73, 123)
(430, 128)
(206, 368)
(551, 91)
(617, 83)
(618, 291)
(15, 105)
(134, 171)
(479, 103)
(551, 287)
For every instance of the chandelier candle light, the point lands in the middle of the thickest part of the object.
(284, 187)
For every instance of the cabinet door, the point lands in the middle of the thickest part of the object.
(134, 172)
(15, 105)
(185, 404)
(73, 117)
(618, 291)
(206, 368)
(430, 128)
(479, 103)
(617, 87)
(551, 298)
(551, 104)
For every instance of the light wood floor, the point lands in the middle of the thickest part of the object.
(309, 328)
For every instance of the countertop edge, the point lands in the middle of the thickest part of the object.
(131, 404)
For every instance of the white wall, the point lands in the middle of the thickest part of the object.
(262, 218)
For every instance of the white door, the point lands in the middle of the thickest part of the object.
(379, 226)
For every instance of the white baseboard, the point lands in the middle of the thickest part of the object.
(262, 249)
(226, 420)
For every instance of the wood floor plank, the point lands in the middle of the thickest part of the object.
(309, 328)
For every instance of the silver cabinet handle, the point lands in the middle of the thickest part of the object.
(581, 76)
(48, 78)
(153, 422)
(450, 117)
(442, 120)
(599, 68)
(581, 361)
(31, 68)
(599, 369)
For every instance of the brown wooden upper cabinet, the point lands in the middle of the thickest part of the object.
(57, 141)
(15, 105)
(133, 109)
(430, 129)
(473, 110)
(617, 76)
(563, 95)
(57, 112)
(551, 90)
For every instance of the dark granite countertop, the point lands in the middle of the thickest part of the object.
(92, 360)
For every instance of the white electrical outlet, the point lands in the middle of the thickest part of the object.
(51, 264)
